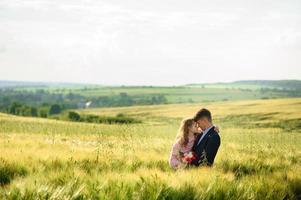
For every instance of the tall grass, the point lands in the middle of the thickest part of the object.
(49, 159)
(9, 171)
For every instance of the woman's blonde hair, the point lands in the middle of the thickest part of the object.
(183, 132)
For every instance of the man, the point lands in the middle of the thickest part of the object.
(207, 143)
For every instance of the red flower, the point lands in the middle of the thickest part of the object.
(189, 157)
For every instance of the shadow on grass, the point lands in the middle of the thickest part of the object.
(8, 171)
(249, 167)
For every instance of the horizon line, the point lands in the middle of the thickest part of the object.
(132, 85)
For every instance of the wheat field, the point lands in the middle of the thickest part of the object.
(259, 157)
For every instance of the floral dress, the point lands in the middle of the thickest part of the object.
(175, 160)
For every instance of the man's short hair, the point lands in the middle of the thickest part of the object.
(203, 113)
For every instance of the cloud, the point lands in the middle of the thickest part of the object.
(170, 38)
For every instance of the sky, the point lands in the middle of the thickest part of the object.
(149, 42)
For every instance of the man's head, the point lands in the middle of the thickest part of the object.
(203, 118)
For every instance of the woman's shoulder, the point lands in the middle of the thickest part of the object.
(177, 142)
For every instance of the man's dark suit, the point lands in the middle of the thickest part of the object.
(206, 150)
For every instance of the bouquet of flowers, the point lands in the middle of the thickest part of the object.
(188, 157)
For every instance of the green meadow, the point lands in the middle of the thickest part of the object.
(183, 94)
(190, 93)
(259, 157)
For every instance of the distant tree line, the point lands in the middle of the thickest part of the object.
(42, 103)
(118, 119)
(123, 99)
(24, 110)
(283, 92)
(280, 84)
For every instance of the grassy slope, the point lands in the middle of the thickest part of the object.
(259, 157)
(255, 84)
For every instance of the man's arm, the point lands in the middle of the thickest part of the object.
(212, 148)
(196, 161)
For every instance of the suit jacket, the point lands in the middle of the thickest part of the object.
(206, 150)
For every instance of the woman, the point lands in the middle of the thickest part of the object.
(184, 143)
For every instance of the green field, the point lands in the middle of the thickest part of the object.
(173, 94)
(191, 93)
(183, 94)
(259, 157)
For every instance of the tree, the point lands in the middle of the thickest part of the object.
(43, 112)
(55, 109)
(34, 111)
(14, 108)
(73, 116)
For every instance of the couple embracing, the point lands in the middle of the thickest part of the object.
(197, 142)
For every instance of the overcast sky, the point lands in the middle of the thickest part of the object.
(149, 42)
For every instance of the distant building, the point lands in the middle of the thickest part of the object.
(88, 104)
(84, 104)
